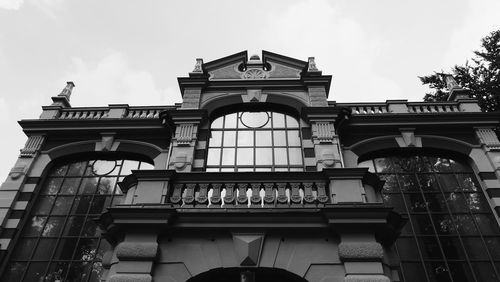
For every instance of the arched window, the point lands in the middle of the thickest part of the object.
(451, 234)
(60, 240)
(255, 141)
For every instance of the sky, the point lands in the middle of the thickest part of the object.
(131, 51)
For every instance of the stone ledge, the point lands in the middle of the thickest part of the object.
(360, 251)
(136, 251)
(366, 278)
(130, 278)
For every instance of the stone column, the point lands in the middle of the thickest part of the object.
(362, 257)
(136, 256)
(186, 124)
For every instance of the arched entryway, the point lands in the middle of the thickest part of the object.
(236, 274)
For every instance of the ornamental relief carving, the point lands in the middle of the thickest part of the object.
(255, 74)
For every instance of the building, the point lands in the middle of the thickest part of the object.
(255, 176)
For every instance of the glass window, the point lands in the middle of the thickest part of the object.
(255, 141)
(451, 232)
(60, 240)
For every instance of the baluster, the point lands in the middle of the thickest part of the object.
(309, 200)
(269, 196)
(136, 114)
(295, 194)
(242, 199)
(189, 195)
(157, 114)
(104, 114)
(150, 114)
(255, 199)
(282, 198)
(201, 199)
(215, 200)
(143, 114)
(130, 114)
(322, 196)
(176, 199)
(229, 197)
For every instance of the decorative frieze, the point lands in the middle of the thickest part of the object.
(32, 146)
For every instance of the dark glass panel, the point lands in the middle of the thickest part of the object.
(429, 247)
(44, 249)
(86, 249)
(23, 249)
(35, 272)
(74, 225)
(459, 167)
(118, 200)
(62, 205)
(57, 272)
(90, 229)
(104, 167)
(493, 245)
(54, 226)
(383, 165)
(487, 224)
(77, 169)
(81, 204)
(34, 226)
(468, 182)
(438, 271)
(79, 271)
(465, 224)
(436, 202)
(14, 272)
(460, 272)
(43, 205)
(484, 272)
(88, 185)
(391, 183)
(475, 248)
(65, 249)
(422, 224)
(448, 183)
(408, 183)
(396, 201)
(104, 247)
(415, 202)
(58, 170)
(413, 272)
(106, 185)
(477, 202)
(410, 165)
(428, 183)
(52, 186)
(99, 203)
(407, 248)
(441, 165)
(70, 186)
(96, 273)
(443, 224)
(456, 202)
(452, 247)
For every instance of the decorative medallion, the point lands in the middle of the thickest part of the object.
(254, 74)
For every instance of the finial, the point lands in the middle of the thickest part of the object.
(311, 65)
(66, 92)
(451, 83)
(198, 66)
(456, 91)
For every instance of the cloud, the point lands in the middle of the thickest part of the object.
(340, 44)
(112, 80)
(50, 7)
(11, 4)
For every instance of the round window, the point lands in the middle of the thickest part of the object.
(254, 119)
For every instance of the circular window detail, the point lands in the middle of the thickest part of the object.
(102, 167)
(254, 119)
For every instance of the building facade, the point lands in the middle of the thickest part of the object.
(255, 176)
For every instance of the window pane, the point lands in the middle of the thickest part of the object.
(35, 272)
(65, 248)
(215, 139)
(229, 139)
(62, 205)
(44, 249)
(106, 185)
(85, 250)
(230, 121)
(34, 226)
(295, 155)
(213, 156)
(81, 204)
(103, 167)
(245, 156)
(79, 271)
(74, 225)
(291, 122)
(70, 186)
(128, 166)
(245, 138)
(23, 249)
(429, 247)
(475, 247)
(217, 123)
(264, 156)
(279, 138)
(14, 272)
(53, 227)
(293, 138)
(263, 138)
(88, 185)
(254, 119)
(52, 186)
(43, 205)
(77, 169)
(228, 156)
(280, 157)
(278, 120)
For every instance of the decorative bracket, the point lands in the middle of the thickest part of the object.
(488, 138)
(33, 144)
(248, 248)
(408, 139)
(107, 142)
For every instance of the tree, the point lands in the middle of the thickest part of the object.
(480, 75)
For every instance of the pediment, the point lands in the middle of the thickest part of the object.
(269, 66)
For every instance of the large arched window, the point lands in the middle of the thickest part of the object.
(60, 240)
(255, 141)
(451, 234)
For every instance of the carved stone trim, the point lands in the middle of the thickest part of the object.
(185, 133)
(33, 144)
(366, 278)
(488, 137)
(136, 251)
(324, 132)
(248, 248)
(355, 251)
(255, 74)
(131, 278)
